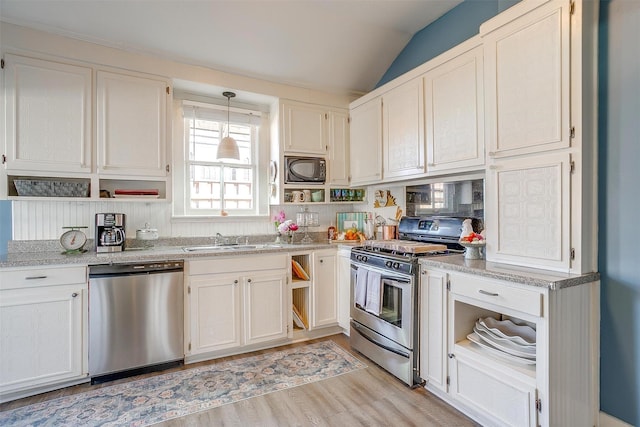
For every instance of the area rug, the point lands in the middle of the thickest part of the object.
(163, 397)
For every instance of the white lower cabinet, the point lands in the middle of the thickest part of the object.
(43, 341)
(494, 388)
(433, 328)
(265, 297)
(344, 288)
(324, 289)
(234, 302)
(508, 401)
(215, 313)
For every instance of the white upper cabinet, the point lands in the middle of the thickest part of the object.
(48, 116)
(454, 112)
(339, 148)
(132, 125)
(527, 66)
(403, 131)
(528, 212)
(541, 133)
(366, 143)
(304, 128)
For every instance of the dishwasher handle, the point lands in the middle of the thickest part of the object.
(102, 270)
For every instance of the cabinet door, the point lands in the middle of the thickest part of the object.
(265, 306)
(339, 148)
(344, 288)
(215, 313)
(454, 109)
(304, 128)
(501, 399)
(325, 292)
(527, 211)
(365, 144)
(527, 85)
(48, 115)
(132, 124)
(41, 330)
(433, 329)
(403, 131)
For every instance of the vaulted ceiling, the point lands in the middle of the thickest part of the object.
(342, 46)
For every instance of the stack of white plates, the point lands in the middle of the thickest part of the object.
(505, 339)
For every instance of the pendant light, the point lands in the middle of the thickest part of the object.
(228, 147)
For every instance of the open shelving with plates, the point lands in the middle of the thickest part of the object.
(475, 363)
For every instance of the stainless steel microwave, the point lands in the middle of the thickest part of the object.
(310, 170)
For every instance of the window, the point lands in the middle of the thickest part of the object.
(215, 186)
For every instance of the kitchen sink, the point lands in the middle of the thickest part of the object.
(206, 248)
(229, 247)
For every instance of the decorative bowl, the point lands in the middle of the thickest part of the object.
(474, 250)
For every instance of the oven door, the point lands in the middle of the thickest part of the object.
(395, 318)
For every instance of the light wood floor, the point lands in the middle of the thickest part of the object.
(367, 397)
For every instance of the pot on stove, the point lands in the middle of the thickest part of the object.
(389, 232)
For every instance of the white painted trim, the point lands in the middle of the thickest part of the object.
(607, 420)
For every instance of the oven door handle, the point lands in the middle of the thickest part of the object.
(359, 329)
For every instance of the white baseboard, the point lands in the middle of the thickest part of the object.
(607, 420)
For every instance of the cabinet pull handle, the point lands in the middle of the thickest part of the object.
(492, 154)
(35, 277)
(491, 294)
(75, 294)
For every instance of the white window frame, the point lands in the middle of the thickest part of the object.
(182, 178)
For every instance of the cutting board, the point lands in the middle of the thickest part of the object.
(405, 246)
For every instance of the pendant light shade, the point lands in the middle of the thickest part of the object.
(228, 147)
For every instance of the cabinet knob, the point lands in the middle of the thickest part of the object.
(492, 154)
(423, 272)
(321, 261)
(75, 294)
(235, 281)
(249, 280)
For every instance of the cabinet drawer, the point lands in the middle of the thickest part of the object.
(238, 264)
(498, 293)
(42, 276)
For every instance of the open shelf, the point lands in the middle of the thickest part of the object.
(300, 300)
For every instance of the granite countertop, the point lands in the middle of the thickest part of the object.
(49, 252)
(512, 273)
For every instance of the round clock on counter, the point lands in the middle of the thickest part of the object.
(73, 240)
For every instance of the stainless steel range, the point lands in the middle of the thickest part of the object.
(384, 291)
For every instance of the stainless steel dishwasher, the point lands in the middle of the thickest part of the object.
(135, 318)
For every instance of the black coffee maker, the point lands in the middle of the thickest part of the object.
(110, 236)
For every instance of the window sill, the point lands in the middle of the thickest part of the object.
(218, 218)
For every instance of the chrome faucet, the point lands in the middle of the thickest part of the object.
(221, 239)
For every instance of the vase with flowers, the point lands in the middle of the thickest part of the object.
(284, 227)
